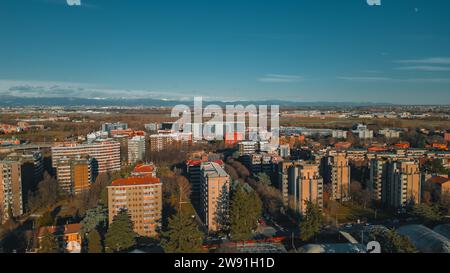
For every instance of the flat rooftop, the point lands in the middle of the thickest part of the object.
(213, 169)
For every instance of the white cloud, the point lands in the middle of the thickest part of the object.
(363, 79)
(434, 60)
(73, 2)
(426, 68)
(395, 80)
(58, 89)
(280, 78)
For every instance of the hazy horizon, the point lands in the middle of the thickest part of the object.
(302, 51)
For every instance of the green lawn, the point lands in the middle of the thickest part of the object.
(351, 212)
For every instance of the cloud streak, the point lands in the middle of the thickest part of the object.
(57, 89)
(433, 60)
(280, 78)
(425, 68)
(395, 80)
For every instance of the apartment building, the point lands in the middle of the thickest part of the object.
(283, 178)
(404, 183)
(336, 171)
(108, 127)
(389, 133)
(215, 185)
(305, 185)
(194, 175)
(378, 176)
(136, 149)
(142, 198)
(32, 170)
(74, 174)
(10, 189)
(167, 138)
(339, 134)
(285, 151)
(247, 147)
(105, 154)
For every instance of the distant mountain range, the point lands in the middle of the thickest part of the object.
(13, 101)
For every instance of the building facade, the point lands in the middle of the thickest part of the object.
(283, 178)
(378, 178)
(340, 177)
(136, 149)
(141, 197)
(32, 171)
(214, 187)
(10, 189)
(247, 147)
(74, 174)
(403, 183)
(305, 185)
(105, 154)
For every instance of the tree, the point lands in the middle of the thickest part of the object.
(46, 220)
(182, 235)
(311, 221)
(264, 179)
(94, 242)
(162, 171)
(48, 190)
(98, 194)
(49, 244)
(95, 219)
(46, 195)
(444, 201)
(245, 212)
(120, 235)
(391, 241)
(435, 167)
(360, 195)
(232, 172)
(241, 170)
(176, 189)
(427, 213)
(222, 216)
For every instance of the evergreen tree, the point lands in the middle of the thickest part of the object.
(95, 218)
(182, 235)
(120, 235)
(391, 241)
(311, 222)
(427, 213)
(49, 244)
(222, 216)
(94, 242)
(245, 212)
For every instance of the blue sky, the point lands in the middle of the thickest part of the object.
(303, 50)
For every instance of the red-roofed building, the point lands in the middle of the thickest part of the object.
(144, 170)
(377, 149)
(69, 236)
(440, 183)
(142, 198)
(402, 145)
(440, 146)
(342, 145)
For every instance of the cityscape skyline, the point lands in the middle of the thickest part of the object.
(397, 53)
